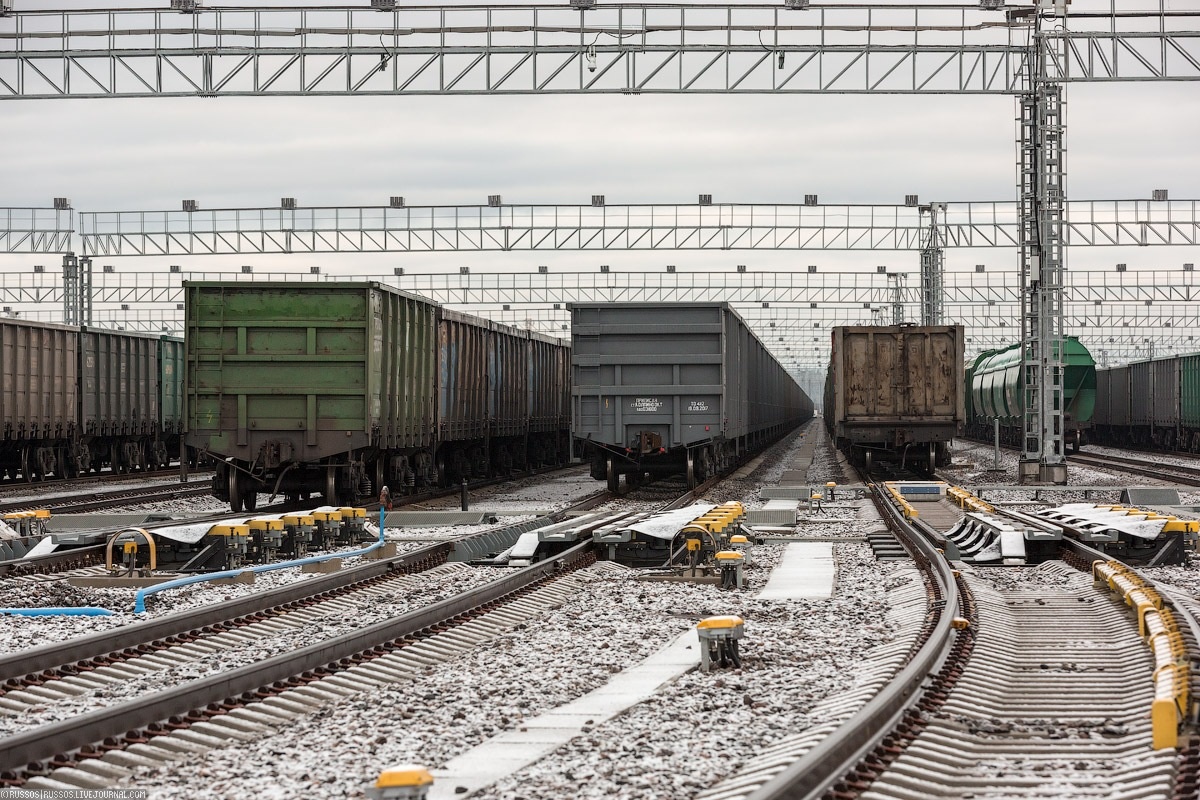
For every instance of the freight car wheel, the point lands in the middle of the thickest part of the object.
(691, 469)
(380, 474)
(331, 496)
(235, 491)
(614, 477)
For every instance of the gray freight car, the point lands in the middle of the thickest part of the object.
(896, 390)
(674, 388)
(502, 399)
(80, 399)
(39, 397)
(119, 400)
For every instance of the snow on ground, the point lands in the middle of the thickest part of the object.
(691, 734)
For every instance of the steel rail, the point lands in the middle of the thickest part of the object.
(814, 774)
(57, 654)
(17, 752)
(52, 562)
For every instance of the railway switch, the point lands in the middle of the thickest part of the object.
(328, 529)
(354, 525)
(297, 534)
(731, 563)
(266, 539)
(719, 641)
(829, 487)
(404, 782)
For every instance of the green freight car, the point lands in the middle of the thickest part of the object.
(295, 391)
(338, 389)
(996, 390)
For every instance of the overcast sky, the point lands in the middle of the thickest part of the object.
(1123, 141)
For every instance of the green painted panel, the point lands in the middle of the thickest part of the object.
(996, 383)
(1189, 391)
(303, 358)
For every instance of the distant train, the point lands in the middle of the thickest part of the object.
(338, 389)
(1150, 404)
(996, 390)
(896, 392)
(75, 400)
(674, 388)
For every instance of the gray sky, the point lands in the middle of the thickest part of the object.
(1123, 141)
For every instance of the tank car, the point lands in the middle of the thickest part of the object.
(896, 391)
(674, 388)
(996, 389)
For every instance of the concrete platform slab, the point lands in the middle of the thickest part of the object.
(806, 571)
(508, 752)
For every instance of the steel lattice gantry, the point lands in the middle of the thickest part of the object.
(737, 48)
(550, 227)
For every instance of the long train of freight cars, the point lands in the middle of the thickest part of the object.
(79, 399)
(896, 392)
(996, 391)
(674, 388)
(337, 389)
(1150, 404)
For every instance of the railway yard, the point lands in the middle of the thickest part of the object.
(587, 685)
(416, 500)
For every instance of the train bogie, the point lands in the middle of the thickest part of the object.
(673, 388)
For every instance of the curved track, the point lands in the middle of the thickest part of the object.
(1017, 705)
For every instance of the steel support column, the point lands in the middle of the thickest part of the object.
(1042, 194)
(70, 269)
(933, 267)
(85, 290)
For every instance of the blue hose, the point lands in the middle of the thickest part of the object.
(58, 611)
(139, 605)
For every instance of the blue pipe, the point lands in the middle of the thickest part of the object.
(58, 611)
(139, 605)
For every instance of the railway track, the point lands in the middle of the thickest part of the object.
(59, 672)
(81, 503)
(1016, 705)
(1172, 473)
(361, 656)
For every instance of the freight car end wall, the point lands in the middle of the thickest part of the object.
(673, 388)
(896, 388)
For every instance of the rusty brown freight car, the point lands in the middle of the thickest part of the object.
(896, 390)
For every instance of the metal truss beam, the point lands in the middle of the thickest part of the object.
(36, 230)
(553, 228)
(620, 49)
(1088, 293)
